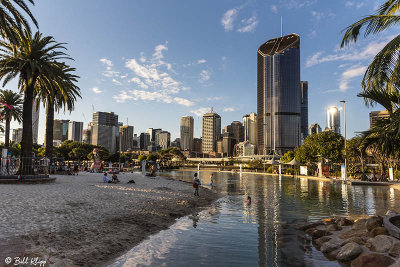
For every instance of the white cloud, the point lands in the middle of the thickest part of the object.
(358, 4)
(116, 82)
(151, 96)
(183, 101)
(200, 111)
(204, 76)
(274, 9)
(228, 18)
(349, 75)
(139, 82)
(297, 3)
(317, 15)
(229, 109)
(96, 90)
(106, 62)
(248, 25)
(215, 98)
(201, 61)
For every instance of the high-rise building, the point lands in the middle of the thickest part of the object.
(187, 126)
(278, 94)
(237, 130)
(35, 122)
(105, 118)
(87, 134)
(314, 129)
(105, 130)
(17, 135)
(197, 145)
(164, 139)
(250, 128)
(377, 115)
(75, 131)
(304, 110)
(144, 141)
(152, 133)
(333, 119)
(228, 144)
(136, 141)
(125, 138)
(211, 131)
(60, 131)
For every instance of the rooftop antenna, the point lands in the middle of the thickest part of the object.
(281, 26)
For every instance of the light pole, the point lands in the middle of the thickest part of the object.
(345, 138)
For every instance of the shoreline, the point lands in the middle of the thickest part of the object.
(83, 222)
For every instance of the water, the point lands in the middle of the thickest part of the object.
(235, 233)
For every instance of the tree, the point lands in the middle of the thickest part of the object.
(115, 157)
(78, 153)
(327, 144)
(141, 158)
(355, 154)
(13, 112)
(34, 56)
(12, 22)
(152, 157)
(288, 156)
(383, 72)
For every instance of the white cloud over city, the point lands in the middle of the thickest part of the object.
(246, 24)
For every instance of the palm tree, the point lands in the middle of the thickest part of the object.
(14, 100)
(56, 94)
(35, 56)
(384, 71)
(12, 22)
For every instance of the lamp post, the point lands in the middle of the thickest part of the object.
(345, 138)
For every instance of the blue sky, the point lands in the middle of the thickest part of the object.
(152, 62)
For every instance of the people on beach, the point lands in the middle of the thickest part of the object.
(248, 200)
(106, 179)
(114, 178)
(76, 169)
(196, 184)
(211, 179)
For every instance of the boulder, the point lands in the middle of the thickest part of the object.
(372, 260)
(310, 230)
(349, 252)
(381, 243)
(318, 242)
(356, 239)
(352, 233)
(359, 224)
(311, 225)
(319, 233)
(373, 222)
(333, 227)
(378, 231)
(329, 246)
(345, 222)
(394, 251)
(332, 255)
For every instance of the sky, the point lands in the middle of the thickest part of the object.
(152, 62)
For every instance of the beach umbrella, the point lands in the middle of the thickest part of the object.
(294, 162)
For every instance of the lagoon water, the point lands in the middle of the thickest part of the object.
(234, 233)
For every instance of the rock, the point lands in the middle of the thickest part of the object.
(320, 227)
(372, 260)
(378, 231)
(349, 252)
(356, 239)
(352, 233)
(329, 246)
(303, 238)
(310, 230)
(394, 251)
(333, 227)
(359, 224)
(332, 255)
(390, 213)
(319, 233)
(381, 243)
(308, 226)
(345, 222)
(318, 242)
(373, 222)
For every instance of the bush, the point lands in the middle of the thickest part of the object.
(270, 169)
(289, 171)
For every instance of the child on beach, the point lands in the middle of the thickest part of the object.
(196, 183)
(212, 179)
(105, 179)
(114, 178)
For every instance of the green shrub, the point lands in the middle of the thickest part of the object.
(270, 169)
(289, 171)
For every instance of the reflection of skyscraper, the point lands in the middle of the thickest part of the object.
(278, 94)
(304, 110)
(333, 119)
(35, 122)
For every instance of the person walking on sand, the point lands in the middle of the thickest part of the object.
(196, 184)
(212, 179)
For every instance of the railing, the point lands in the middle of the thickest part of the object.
(24, 166)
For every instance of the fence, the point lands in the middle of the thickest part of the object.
(24, 165)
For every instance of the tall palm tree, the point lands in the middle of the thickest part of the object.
(384, 71)
(35, 56)
(14, 100)
(56, 94)
(12, 22)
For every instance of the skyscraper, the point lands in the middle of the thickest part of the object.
(314, 129)
(75, 130)
(144, 141)
(164, 139)
(125, 138)
(211, 131)
(104, 130)
(187, 124)
(278, 94)
(60, 131)
(250, 128)
(304, 110)
(333, 119)
(17, 135)
(377, 115)
(237, 130)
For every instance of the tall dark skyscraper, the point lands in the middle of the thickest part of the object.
(278, 94)
(304, 110)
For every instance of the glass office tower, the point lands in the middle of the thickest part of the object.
(278, 94)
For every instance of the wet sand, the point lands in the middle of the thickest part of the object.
(80, 221)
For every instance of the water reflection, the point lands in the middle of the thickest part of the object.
(235, 233)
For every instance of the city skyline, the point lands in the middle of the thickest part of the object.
(208, 78)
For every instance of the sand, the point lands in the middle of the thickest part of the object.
(78, 220)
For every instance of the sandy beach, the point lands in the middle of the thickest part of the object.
(80, 221)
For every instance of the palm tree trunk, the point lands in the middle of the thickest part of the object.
(49, 128)
(7, 137)
(27, 142)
